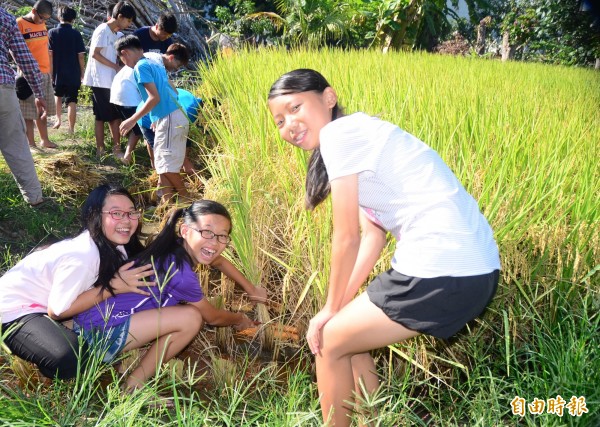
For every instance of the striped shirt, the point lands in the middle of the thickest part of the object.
(12, 43)
(407, 189)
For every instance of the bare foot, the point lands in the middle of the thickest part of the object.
(49, 144)
(56, 125)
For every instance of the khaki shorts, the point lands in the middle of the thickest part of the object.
(169, 142)
(28, 106)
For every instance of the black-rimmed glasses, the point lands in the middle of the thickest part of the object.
(119, 215)
(209, 235)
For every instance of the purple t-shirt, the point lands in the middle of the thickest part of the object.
(182, 286)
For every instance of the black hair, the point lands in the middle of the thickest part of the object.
(111, 259)
(43, 6)
(124, 9)
(128, 42)
(67, 14)
(167, 242)
(167, 22)
(180, 53)
(307, 80)
(109, 9)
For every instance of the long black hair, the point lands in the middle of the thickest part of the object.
(306, 80)
(168, 242)
(111, 259)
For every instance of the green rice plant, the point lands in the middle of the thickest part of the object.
(522, 138)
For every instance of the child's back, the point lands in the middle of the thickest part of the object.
(146, 71)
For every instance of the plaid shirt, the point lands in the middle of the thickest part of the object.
(11, 41)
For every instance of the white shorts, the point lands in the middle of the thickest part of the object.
(169, 142)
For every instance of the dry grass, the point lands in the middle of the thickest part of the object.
(67, 174)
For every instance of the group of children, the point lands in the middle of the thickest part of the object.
(124, 95)
(122, 296)
(119, 90)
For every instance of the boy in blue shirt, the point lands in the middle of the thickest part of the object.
(170, 123)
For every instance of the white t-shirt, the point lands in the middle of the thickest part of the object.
(50, 278)
(124, 90)
(156, 58)
(406, 188)
(97, 74)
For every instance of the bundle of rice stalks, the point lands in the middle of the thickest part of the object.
(224, 372)
(27, 374)
(266, 333)
(223, 336)
(67, 175)
(130, 360)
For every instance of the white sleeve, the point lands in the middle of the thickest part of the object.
(103, 40)
(71, 277)
(346, 148)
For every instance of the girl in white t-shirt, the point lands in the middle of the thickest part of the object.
(381, 179)
(62, 280)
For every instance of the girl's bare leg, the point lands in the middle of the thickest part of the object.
(170, 329)
(357, 328)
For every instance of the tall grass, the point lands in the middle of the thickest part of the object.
(522, 138)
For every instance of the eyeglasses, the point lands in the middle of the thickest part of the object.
(119, 215)
(207, 234)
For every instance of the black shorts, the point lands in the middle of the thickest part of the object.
(104, 111)
(148, 136)
(68, 93)
(439, 306)
(127, 112)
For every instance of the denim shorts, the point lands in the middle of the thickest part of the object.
(108, 343)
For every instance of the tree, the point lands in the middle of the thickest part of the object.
(553, 31)
(314, 22)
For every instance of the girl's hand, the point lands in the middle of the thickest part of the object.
(245, 323)
(315, 326)
(259, 294)
(129, 279)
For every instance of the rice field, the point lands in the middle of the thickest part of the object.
(522, 138)
(524, 141)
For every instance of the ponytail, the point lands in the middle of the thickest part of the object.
(317, 181)
(168, 243)
(164, 244)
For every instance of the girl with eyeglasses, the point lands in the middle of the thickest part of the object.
(128, 321)
(61, 280)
